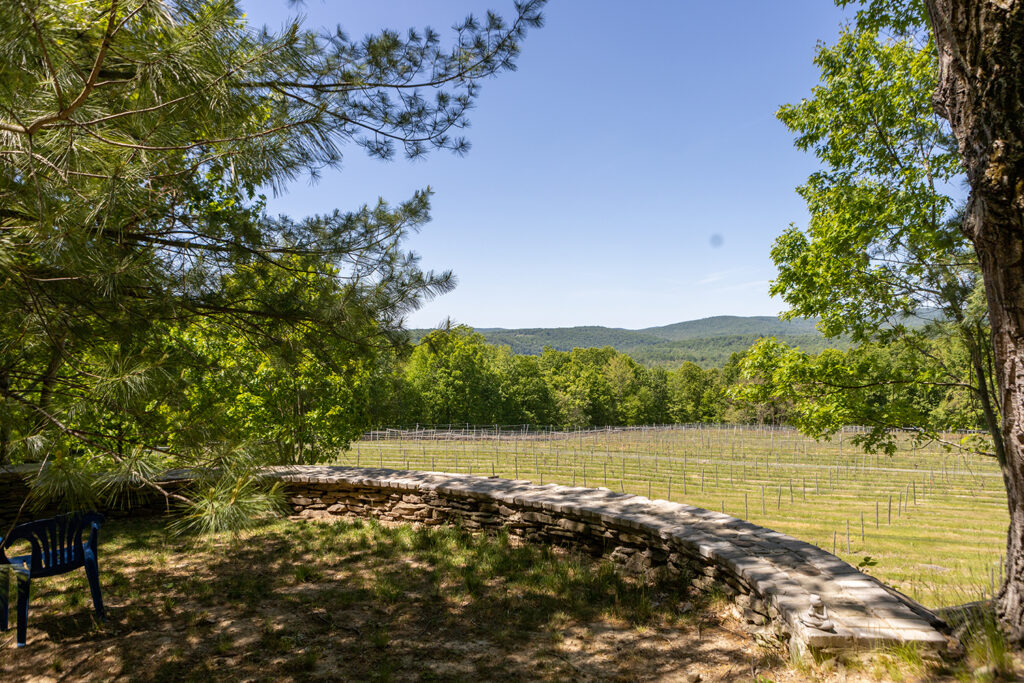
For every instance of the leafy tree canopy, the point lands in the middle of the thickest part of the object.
(883, 258)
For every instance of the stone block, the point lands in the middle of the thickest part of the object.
(537, 517)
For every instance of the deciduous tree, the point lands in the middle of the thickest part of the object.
(979, 90)
(883, 247)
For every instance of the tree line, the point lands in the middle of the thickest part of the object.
(455, 376)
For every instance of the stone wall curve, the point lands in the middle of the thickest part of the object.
(771, 576)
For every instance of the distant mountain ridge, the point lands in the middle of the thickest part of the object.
(708, 342)
(731, 325)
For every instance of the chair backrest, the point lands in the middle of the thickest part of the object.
(56, 543)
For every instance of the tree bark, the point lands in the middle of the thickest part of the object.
(981, 93)
(973, 340)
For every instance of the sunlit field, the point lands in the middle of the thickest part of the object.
(930, 522)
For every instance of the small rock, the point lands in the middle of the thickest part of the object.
(692, 677)
(987, 672)
(752, 617)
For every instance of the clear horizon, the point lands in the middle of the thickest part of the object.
(630, 174)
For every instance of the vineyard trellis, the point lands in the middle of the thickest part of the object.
(940, 515)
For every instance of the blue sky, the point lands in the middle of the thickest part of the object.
(631, 173)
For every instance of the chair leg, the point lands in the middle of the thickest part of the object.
(5, 587)
(92, 571)
(24, 580)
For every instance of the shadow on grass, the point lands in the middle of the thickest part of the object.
(358, 600)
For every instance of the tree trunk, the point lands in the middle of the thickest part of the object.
(981, 92)
(973, 339)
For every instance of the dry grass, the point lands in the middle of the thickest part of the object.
(358, 600)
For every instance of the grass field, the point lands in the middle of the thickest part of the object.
(929, 522)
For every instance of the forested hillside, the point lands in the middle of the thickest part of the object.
(714, 352)
(708, 342)
(734, 325)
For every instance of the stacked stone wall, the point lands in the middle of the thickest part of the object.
(772, 577)
(636, 552)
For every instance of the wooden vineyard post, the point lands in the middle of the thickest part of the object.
(862, 527)
(848, 551)
(746, 508)
(890, 510)
(876, 514)
(762, 500)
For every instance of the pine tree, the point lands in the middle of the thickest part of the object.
(135, 139)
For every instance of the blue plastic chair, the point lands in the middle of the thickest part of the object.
(57, 548)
